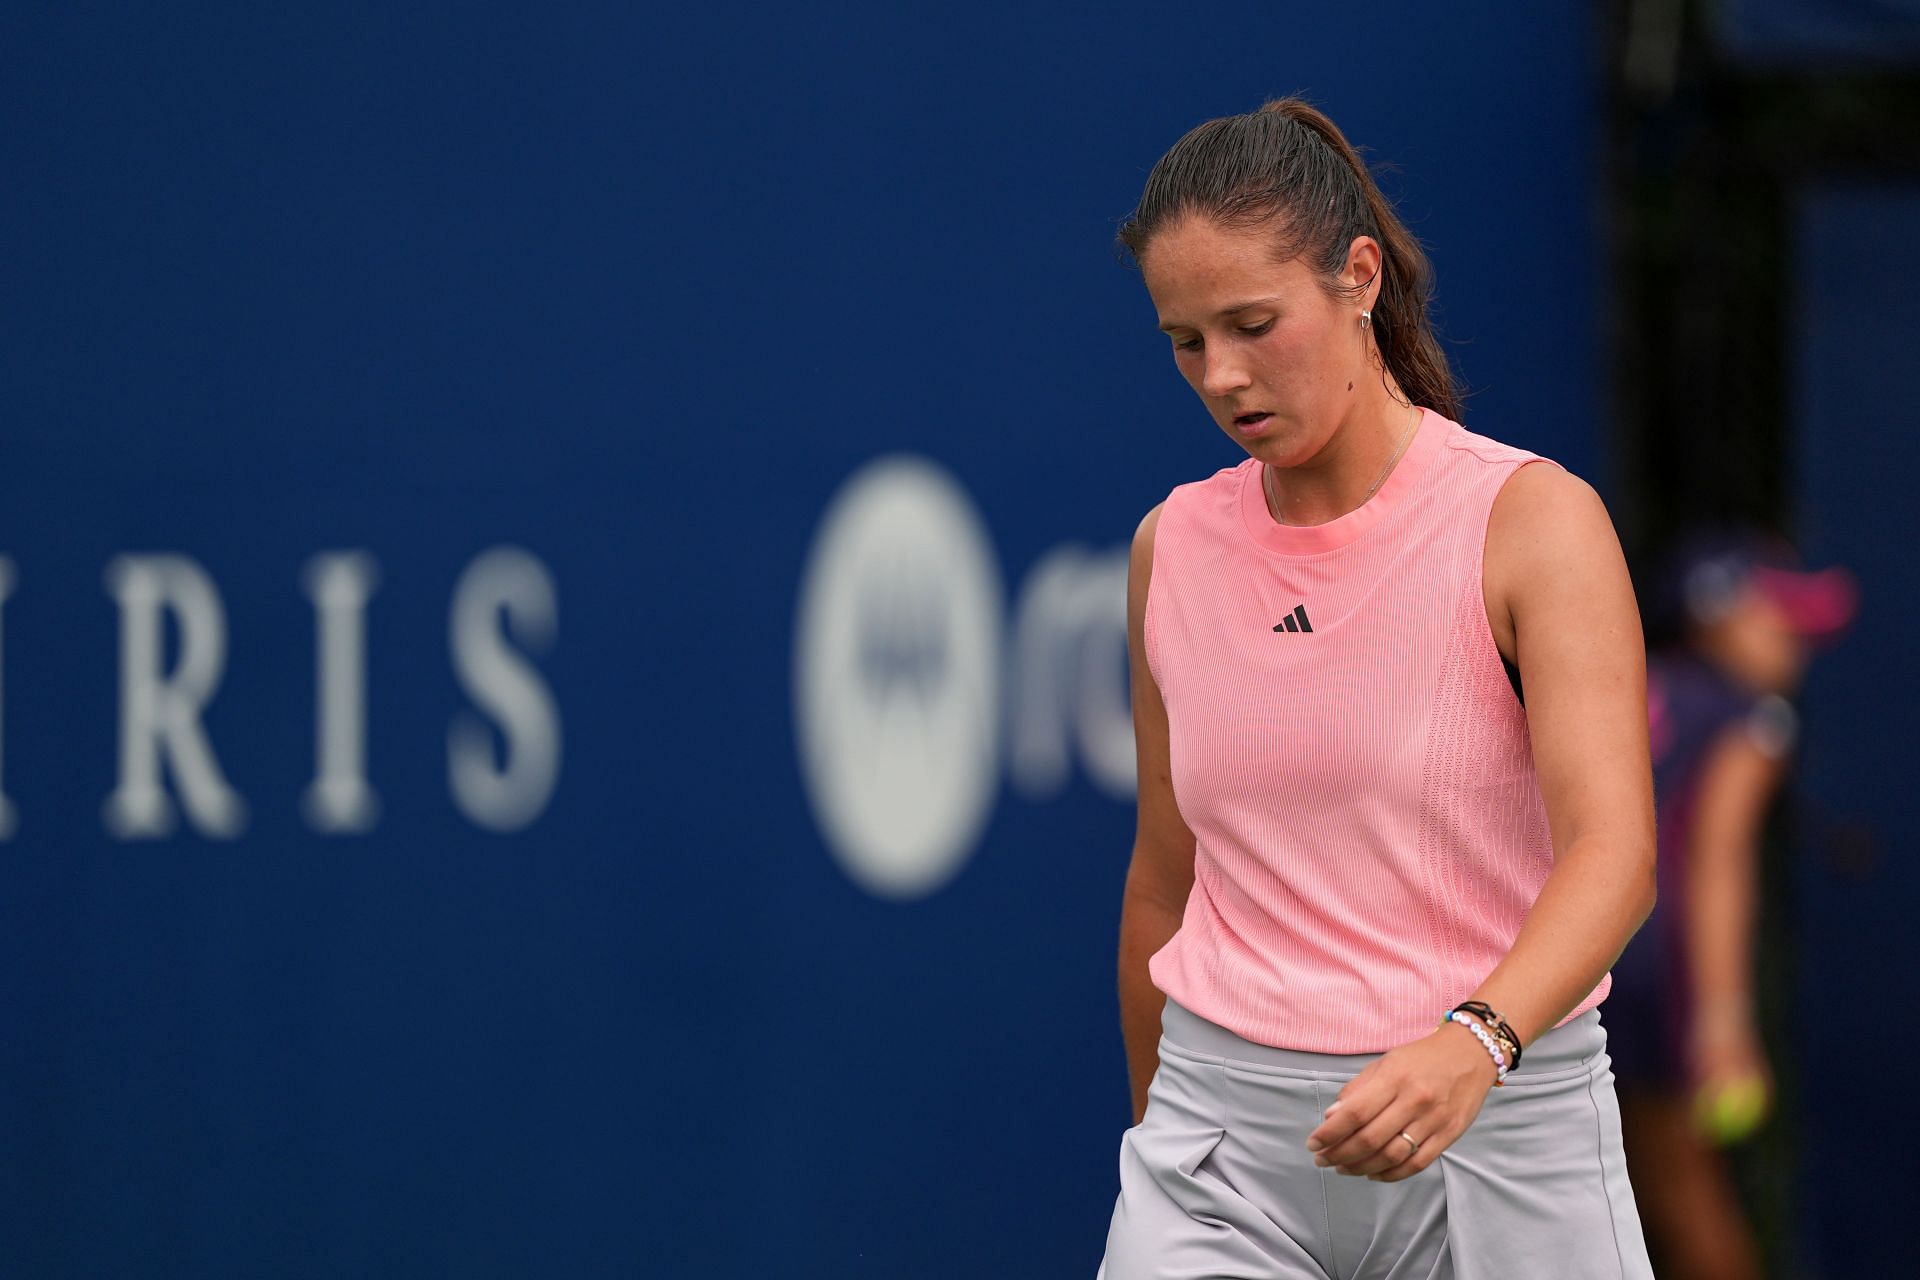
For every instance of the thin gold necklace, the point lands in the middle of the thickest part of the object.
(1273, 501)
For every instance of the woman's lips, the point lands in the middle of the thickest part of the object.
(1252, 424)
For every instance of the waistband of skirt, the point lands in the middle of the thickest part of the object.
(1564, 1048)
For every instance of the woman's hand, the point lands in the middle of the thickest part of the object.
(1723, 1047)
(1732, 1084)
(1430, 1090)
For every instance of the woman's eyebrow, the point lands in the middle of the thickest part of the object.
(1233, 310)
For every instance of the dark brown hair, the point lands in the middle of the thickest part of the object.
(1288, 168)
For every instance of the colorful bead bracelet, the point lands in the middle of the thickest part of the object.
(1480, 1034)
(1503, 1032)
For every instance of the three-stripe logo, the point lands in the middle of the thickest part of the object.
(1295, 621)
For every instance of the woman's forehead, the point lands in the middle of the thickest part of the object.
(1199, 267)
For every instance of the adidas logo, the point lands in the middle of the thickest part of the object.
(1295, 621)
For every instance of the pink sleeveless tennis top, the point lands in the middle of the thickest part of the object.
(1347, 750)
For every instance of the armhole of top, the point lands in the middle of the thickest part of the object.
(1480, 572)
(1513, 678)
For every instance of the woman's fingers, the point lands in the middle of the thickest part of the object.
(1395, 1118)
(1377, 1145)
(1429, 1151)
(1359, 1102)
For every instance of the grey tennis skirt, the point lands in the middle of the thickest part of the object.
(1217, 1181)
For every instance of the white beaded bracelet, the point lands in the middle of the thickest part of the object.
(1480, 1034)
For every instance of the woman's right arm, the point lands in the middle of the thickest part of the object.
(1161, 872)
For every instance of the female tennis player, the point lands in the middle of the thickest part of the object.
(1742, 618)
(1395, 806)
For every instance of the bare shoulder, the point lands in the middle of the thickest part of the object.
(1140, 571)
(1149, 523)
(1544, 510)
(1549, 538)
(1141, 562)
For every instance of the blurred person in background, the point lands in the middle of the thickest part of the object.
(1740, 621)
(1395, 801)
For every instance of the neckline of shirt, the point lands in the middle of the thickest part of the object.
(1315, 539)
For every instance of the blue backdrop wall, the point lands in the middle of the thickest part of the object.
(1854, 879)
(562, 705)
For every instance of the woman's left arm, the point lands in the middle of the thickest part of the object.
(1562, 608)
(1559, 594)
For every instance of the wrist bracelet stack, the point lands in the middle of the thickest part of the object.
(1480, 1034)
(1498, 1025)
(1493, 1033)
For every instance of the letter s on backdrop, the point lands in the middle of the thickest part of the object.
(504, 591)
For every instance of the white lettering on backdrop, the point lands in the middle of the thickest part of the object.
(1069, 675)
(903, 664)
(503, 590)
(340, 799)
(160, 713)
(504, 606)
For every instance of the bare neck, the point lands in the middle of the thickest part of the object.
(1352, 465)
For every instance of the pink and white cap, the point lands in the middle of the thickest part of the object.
(1713, 572)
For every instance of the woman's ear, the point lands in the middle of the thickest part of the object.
(1363, 269)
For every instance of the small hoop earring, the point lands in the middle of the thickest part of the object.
(1366, 319)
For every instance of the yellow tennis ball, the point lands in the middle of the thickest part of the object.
(1732, 1111)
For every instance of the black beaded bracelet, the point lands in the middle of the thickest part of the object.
(1495, 1023)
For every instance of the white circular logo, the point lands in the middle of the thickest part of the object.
(896, 676)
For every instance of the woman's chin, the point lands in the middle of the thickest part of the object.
(1272, 448)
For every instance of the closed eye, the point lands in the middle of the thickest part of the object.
(1250, 330)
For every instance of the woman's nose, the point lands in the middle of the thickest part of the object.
(1222, 375)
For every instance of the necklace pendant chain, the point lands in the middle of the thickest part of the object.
(1406, 438)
